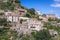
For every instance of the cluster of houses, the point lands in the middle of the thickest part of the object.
(28, 24)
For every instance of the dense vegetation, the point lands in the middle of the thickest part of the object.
(4, 22)
(52, 24)
(31, 13)
(6, 34)
(9, 5)
(39, 35)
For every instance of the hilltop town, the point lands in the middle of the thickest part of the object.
(23, 20)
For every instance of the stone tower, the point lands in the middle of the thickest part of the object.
(38, 13)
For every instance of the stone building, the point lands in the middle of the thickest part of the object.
(38, 13)
(43, 18)
(34, 24)
(15, 15)
(53, 16)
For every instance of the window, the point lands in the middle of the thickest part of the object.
(32, 27)
(15, 25)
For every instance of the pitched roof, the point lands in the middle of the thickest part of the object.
(33, 19)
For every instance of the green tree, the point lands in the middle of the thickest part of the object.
(43, 35)
(30, 15)
(27, 37)
(3, 34)
(31, 11)
(6, 34)
(10, 4)
(21, 21)
(58, 20)
(50, 19)
(48, 25)
(4, 22)
(1, 14)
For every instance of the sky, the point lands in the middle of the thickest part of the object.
(44, 6)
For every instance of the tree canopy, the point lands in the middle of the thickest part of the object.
(43, 35)
(31, 11)
(4, 22)
(9, 5)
